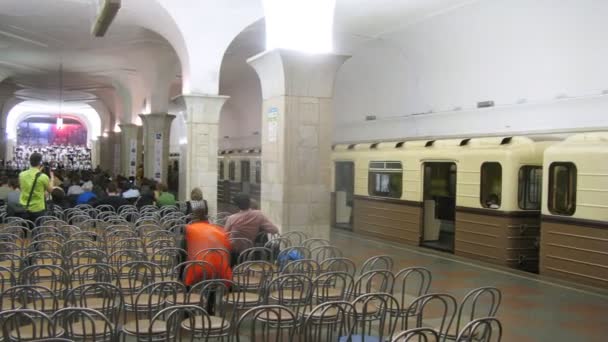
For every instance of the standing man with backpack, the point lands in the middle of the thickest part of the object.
(34, 183)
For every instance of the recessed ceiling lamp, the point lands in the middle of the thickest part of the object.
(288, 25)
(106, 12)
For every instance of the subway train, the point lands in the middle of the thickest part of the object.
(238, 171)
(534, 203)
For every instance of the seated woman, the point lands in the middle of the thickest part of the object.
(196, 201)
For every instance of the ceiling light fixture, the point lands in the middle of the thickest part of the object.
(288, 25)
(59, 123)
(107, 11)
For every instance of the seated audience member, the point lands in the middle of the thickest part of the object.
(75, 188)
(87, 197)
(196, 201)
(131, 194)
(247, 223)
(493, 201)
(199, 236)
(163, 197)
(58, 198)
(86, 180)
(13, 207)
(146, 198)
(113, 198)
(4, 189)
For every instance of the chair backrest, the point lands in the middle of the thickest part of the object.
(93, 272)
(374, 281)
(79, 322)
(153, 297)
(103, 297)
(254, 325)
(29, 297)
(291, 290)
(252, 275)
(307, 267)
(51, 276)
(439, 307)
(322, 253)
(315, 242)
(85, 257)
(221, 298)
(417, 335)
(7, 278)
(339, 264)
(374, 316)
(168, 258)
(478, 303)
(412, 282)
(255, 253)
(378, 262)
(487, 329)
(26, 325)
(296, 238)
(120, 258)
(328, 322)
(332, 286)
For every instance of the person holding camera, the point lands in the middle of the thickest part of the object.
(34, 183)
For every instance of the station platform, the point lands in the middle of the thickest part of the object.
(533, 308)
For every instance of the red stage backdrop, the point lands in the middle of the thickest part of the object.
(35, 133)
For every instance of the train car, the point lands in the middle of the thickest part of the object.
(238, 171)
(478, 198)
(574, 239)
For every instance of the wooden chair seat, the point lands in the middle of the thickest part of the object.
(42, 332)
(182, 298)
(86, 328)
(217, 323)
(289, 295)
(142, 327)
(246, 298)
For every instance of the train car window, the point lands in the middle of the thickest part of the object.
(562, 189)
(530, 187)
(258, 172)
(232, 171)
(491, 185)
(385, 179)
(245, 171)
(220, 170)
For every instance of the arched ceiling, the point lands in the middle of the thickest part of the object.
(38, 40)
(154, 46)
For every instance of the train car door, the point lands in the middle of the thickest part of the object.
(439, 205)
(344, 191)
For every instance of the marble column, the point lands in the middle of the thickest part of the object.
(106, 152)
(95, 156)
(296, 138)
(157, 127)
(130, 148)
(200, 153)
(10, 148)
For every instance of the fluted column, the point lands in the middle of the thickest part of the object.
(296, 138)
(200, 153)
(130, 148)
(157, 127)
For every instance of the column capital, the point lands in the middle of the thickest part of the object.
(156, 117)
(292, 73)
(203, 108)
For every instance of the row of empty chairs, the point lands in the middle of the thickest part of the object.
(113, 277)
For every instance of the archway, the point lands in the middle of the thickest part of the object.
(41, 135)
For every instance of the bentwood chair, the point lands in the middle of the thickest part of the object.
(84, 324)
(27, 325)
(328, 322)
(267, 323)
(486, 329)
(417, 335)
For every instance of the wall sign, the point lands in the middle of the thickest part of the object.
(133, 158)
(158, 156)
(272, 122)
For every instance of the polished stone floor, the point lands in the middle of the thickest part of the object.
(534, 308)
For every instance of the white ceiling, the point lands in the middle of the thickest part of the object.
(37, 36)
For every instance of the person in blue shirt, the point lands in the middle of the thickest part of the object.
(87, 196)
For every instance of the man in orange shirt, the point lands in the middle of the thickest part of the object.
(200, 236)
